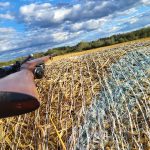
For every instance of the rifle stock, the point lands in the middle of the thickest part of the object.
(18, 94)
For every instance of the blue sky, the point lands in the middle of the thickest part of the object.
(29, 26)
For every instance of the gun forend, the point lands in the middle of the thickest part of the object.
(18, 94)
(12, 104)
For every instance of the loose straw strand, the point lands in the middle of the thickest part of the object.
(62, 143)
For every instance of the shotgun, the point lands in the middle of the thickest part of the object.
(18, 94)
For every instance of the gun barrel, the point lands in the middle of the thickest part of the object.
(27, 59)
(30, 65)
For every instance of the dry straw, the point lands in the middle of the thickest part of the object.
(66, 94)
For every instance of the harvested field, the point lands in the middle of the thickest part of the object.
(98, 100)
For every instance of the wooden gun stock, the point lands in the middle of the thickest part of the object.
(18, 94)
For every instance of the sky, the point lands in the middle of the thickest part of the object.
(29, 26)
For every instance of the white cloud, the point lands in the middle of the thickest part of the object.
(146, 2)
(148, 25)
(6, 16)
(47, 15)
(60, 36)
(34, 40)
(114, 29)
(60, 14)
(133, 20)
(89, 25)
(130, 11)
(43, 13)
(4, 4)
(7, 30)
(77, 26)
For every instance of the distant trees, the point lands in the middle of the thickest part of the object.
(82, 46)
(114, 39)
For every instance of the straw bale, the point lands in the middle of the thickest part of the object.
(70, 92)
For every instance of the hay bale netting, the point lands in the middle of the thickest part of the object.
(119, 117)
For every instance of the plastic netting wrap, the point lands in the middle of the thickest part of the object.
(119, 117)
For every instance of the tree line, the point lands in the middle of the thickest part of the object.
(114, 39)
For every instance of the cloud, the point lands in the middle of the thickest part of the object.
(49, 25)
(145, 2)
(33, 40)
(42, 14)
(6, 16)
(128, 11)
(48, 15)
(7, 30)
(114, 29)
(88, 25)
(135, 22)
(60, 36)
(4, 4)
